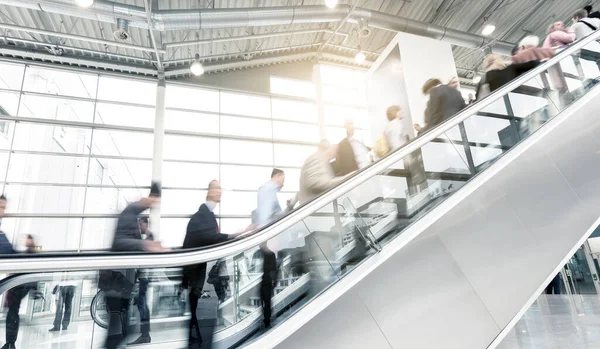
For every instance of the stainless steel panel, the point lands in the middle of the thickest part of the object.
(492, 248)
(346, 323)
(420, 299)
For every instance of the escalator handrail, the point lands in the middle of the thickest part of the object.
(189, 257)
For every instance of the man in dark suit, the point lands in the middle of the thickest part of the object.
(352, 154)
(444, 102)
(202, 230)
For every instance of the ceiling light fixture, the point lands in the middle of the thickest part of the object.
(477, 79)
(489, 29)
(196, 68)
(331, 3)
(84, 3)
(360, 56)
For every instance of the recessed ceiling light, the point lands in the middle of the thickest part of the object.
(360, 57)
(489, 29)
(196, 68)
(84, 3)
(331, 3)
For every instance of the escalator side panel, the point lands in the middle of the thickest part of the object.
(466, 279)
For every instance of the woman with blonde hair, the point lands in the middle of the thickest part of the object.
(558, 35)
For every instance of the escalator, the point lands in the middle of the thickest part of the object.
(442, 243)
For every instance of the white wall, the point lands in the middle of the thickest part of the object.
(423, 59)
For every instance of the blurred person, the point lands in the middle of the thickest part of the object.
(444, 102)
(558, 35)
(394, 131)
(554, 285)
(453, 82)
(317, 175)
(584, 25)
(527, 50)
(590, 12)
(268, 209)
(5, 245)
(15, 295)
(500, 72)
(202, 230)
(144, 282)
(118, 285)
(352, 154)
(218, 276)
(64, 291)
(471, 99)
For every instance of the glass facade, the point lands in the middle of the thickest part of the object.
(76, 148)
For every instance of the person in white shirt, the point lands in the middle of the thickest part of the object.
(352, 153)
(394, 131)
(584, 25)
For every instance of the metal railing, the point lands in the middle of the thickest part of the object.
(43, 263)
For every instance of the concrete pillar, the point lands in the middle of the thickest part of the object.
(157, 154)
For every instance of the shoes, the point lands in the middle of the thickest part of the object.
(8, 346)
(141, 340)
(54, 329)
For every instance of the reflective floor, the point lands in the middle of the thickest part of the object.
(558, 322)
(79, 336)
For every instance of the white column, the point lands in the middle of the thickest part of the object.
(319, 100)
(157, 154)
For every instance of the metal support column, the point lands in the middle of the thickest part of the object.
(319, 100)
(157, 154)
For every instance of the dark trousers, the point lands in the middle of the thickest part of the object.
(268, 283)
(143, 308)
(14, 297)
(195, 336)
(117, 304)
(554, 285)
(64, 303)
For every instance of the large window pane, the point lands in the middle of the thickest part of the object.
(242, 104)
(182, 201)
(233, 225)
(120, 172)
(284, 130)
(111, 200)
(98, 233)
(11, 75)
(51, 234)
(294, 110)
(184, 97)
(56, 108)
(122, 143)
(336, 94)
(292, 155)
(48, 138)
(244, 177)
(191, 122)
(44, 199)
(60, 82)
(191, 148)
(246, 152)
(336, 115)
(289, 87)
(127, 90)
(188, 175)
(46, 168)
(124, 115)
(174, 231)
(237, 126)
(238, 203)
(292, 180)
(342, 77)
(9, 102)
